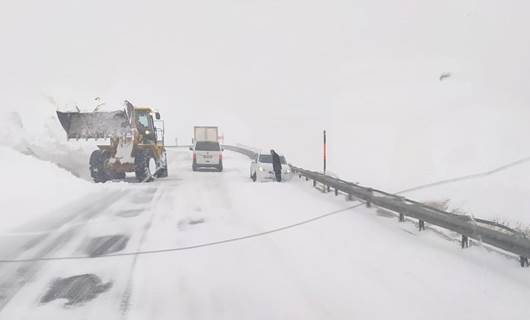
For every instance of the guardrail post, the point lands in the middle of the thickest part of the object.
(349, 197)
(306, 178)
(465, 242)
(314, 183)
(421, 225)
(336, 192)
(328, 188)
(524, 262)
(401, 217)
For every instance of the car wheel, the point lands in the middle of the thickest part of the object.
(253, 177)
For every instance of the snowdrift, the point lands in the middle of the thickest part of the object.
(33, 188)
(42, 171)
(46, 142)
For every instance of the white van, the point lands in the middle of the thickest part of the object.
(207, 154)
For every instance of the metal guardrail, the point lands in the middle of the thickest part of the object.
(249, 153)
(485, 231)
(482, 230)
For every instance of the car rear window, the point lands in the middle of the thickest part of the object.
(267, 158)
(207, 146)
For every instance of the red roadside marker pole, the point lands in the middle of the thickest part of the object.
(325, 152)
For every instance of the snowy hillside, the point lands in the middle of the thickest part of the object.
(501, 196)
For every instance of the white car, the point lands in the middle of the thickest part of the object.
(261, 168)
(207, 154)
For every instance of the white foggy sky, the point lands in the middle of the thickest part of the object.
(275, 73)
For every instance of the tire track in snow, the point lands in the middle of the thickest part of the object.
(15, 278)
(126, 296)
(290, 270)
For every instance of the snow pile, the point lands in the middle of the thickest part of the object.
(12, 132)
(33, 188)
(47, 142)
(41, 169)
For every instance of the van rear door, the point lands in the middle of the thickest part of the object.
(207, 153)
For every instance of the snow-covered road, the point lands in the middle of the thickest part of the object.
(356, 265)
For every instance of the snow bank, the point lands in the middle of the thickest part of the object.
(46, 141)
(32, 188)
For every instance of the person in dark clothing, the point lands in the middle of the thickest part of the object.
(276, 165)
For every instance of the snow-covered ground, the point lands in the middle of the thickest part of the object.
(33, 188)
(500, 196)
(270, 74)
(352, 265)
(41, 171)
(275, 75)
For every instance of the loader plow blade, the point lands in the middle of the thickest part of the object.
(94, 125)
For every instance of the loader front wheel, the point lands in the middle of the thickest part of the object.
(162, 171)
(98, 160)
(119, 175)
(146, 166)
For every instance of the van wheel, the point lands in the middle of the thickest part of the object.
(253, 177)
(220, 167)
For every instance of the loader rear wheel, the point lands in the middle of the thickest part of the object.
(146, 166)
(98, 160)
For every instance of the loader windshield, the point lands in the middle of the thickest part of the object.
(145, 125)
(143, 119)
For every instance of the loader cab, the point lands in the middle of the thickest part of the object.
(146, 126)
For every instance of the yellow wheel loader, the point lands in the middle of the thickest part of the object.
(136, 145)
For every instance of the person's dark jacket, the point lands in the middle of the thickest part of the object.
(276, 162)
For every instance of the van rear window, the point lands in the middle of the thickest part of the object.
(207, 146)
